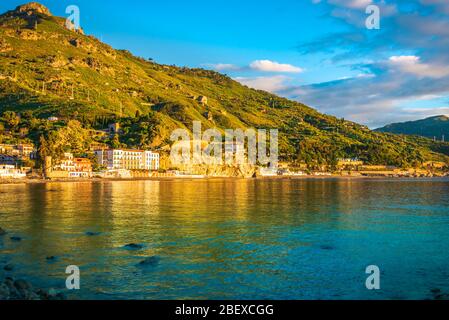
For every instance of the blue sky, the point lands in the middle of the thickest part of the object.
(316, 51)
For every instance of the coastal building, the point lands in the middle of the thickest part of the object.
(8, 159)
(352, 162)
(80, 174)
(115, 159)
(83, 168)
(268, 172)
(69, 167)
(20, 151)
(10, 172)
(97, 146)
(66, 163)
(6, 148)
(434, 165)
(26, 151)
(82, 165)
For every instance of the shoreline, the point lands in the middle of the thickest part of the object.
(305, 177)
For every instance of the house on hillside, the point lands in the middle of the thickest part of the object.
(202, 100)
(114, 128)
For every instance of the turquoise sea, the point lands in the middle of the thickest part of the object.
(231, 238)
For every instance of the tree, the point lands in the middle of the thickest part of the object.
(43, 148)
(11, 118)
(115, 143)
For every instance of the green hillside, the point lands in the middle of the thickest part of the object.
(48, 70)
(433, 127)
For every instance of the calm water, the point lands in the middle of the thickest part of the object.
(232, 239)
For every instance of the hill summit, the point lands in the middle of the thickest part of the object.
(436, 127)
(32, 8)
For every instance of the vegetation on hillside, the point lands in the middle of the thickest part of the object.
(47, 70)
(434, 128)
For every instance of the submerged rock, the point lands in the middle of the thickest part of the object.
(327, 247)
(92, 234)
(438, 294)
(51, 258)
(15, 238)
(22, 284)
(150, 262)
(8, 267)
(133, 246)
(4, 292)
(11, 289)
(442, 296)
(25, 290)
(435, 290)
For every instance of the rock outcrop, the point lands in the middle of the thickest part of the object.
(4, 46)
(33, 8)
(11, 289)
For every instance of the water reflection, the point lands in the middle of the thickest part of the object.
(291, 239)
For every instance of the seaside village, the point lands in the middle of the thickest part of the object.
(21, 162)
(17, 162)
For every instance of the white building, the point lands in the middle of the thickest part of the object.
(116, 159)
(66, 164)
(9, 171)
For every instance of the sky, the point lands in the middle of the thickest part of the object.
(318, 52)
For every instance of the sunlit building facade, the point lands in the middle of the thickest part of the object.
(116, 159)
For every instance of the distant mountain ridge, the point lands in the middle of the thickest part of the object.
(49, 70)
(433, 127)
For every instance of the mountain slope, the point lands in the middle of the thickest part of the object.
(48, 70)
(433, 127)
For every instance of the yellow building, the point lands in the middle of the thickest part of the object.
(349, 163)
(434, 165)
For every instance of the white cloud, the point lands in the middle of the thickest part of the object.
(442, 5)
(222, 66)
(413, 65)
(257, 65)
(270, 84)
(394, 84)
(272, 66)
(353, 4)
